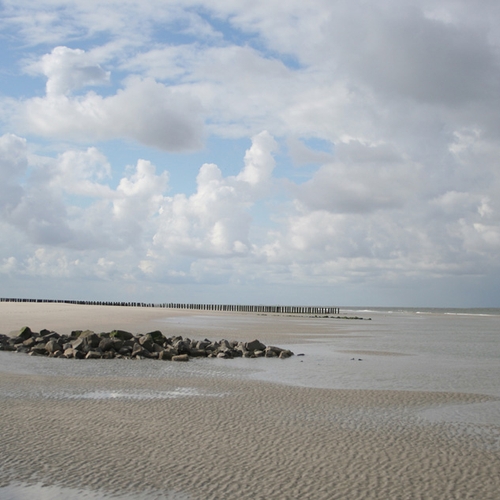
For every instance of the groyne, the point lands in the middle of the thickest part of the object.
(198, 307)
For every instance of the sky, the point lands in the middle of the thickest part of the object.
(326, 152)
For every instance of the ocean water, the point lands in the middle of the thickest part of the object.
(406, 349)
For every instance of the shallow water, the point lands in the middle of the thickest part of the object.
(395, 350)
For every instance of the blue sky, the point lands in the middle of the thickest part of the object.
(329, 153)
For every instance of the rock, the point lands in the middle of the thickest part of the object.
(69, 352)
(171, 350)
(79, 354)
(146, 341)
(49, 335)
(180, 357)
(255, 345)
(93, 355)
(138, 350)
(213, 346)
(29, 342)
(165, 355)
(121, 344)
(39, 349)
(182, 346)
(90, 338)
(157, 337)
(87, 333)
(121, 334)
(25, 333)
(157, 348)
(7, 347)
(272, 349)
(198, 353)
(78, 343)
(106, 344)
(52, 346)
(202, 344)
(117, 343)
(225, 344)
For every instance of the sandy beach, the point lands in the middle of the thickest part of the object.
(211, 429)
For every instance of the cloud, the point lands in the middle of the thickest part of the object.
(13, 166)
(403, 53)
(38, 203)
(215, 221)
(405, 93)
(136, 220)
(303, 155)
(69, 69)
(371, 178)
(143, 110)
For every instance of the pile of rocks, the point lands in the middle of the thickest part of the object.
(121, 344)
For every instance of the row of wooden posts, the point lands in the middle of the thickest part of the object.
(197, 307)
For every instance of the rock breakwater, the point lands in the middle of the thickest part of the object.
(120, 344)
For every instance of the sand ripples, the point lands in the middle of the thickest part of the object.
(258, 441)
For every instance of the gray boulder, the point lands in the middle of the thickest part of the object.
(121, 334)
(180, 357)
(24, 333)
(52, 346)
(198, 353)
(49, 335)
(202, 344)
(78, 344)
(157, 337)
(138, 350)
(165, 355)
(106, 344)
(146, 341)
(269, 353)
(90, 338)
(255, 345)
(93, 355)
(29, 342)
(39, 349)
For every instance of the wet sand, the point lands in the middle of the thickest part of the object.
(208, 430)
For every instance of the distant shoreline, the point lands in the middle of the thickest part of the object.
(181, 305)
